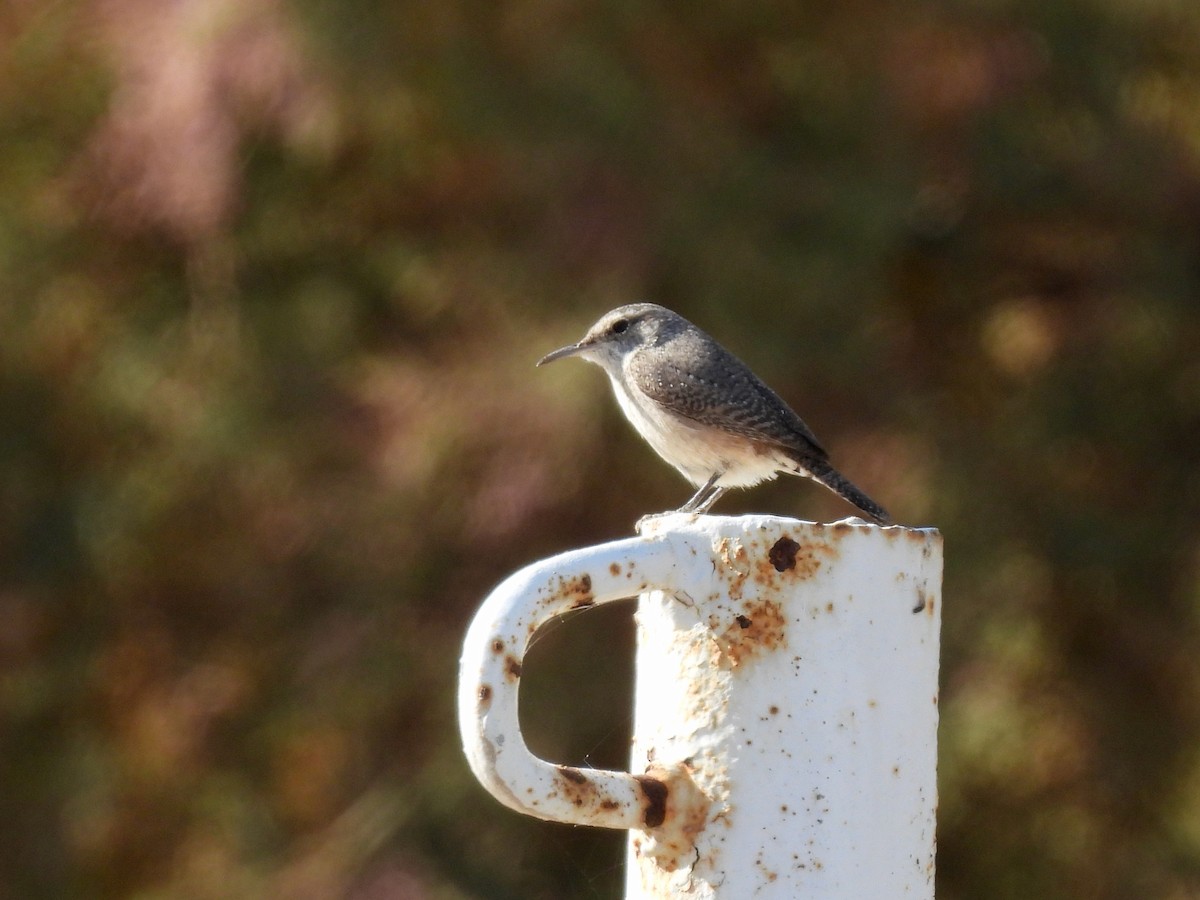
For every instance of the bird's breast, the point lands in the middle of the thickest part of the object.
(695, 449)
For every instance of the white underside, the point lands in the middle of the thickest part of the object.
(698, 452)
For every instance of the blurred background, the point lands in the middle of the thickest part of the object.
(273, 278)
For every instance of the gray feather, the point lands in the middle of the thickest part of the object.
(691, 375)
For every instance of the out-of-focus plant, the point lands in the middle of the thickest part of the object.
(272, 280)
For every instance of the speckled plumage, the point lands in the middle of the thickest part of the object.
(702, 409)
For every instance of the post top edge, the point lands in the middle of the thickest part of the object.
(665, 523)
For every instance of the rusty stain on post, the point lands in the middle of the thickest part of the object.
(655, 793)
(676, 811)
(783, 554)
(760, 627)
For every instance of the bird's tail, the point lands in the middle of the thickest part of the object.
(822, 471)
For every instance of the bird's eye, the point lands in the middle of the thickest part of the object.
(620, 326)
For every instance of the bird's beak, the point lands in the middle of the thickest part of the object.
(562, 353)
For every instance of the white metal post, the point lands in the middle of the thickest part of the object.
(786, 723)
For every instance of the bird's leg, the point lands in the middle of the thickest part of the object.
(712, 498)
(701, 500)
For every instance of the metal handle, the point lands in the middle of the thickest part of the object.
(490, 674)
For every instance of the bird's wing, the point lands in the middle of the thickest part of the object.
(700, 380)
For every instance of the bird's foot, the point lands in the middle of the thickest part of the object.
(653, 521)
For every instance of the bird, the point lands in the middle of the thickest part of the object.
(702, 409)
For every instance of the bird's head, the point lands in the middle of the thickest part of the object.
(621, 332)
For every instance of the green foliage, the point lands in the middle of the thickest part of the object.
(274, 277)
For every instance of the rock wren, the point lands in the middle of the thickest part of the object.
(702, 409)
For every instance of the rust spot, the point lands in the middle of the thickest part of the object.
(829, 607)
(485, 696)
(498, 646)
(761, 628)
(579, 790)
(737, 565)
(924, 602)
(615, 569)
(774, 710)
(731, 551)
(512, 667)
(576, 787)
(655, 792)
(799, 560)
(783, 554)
(580, 588)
